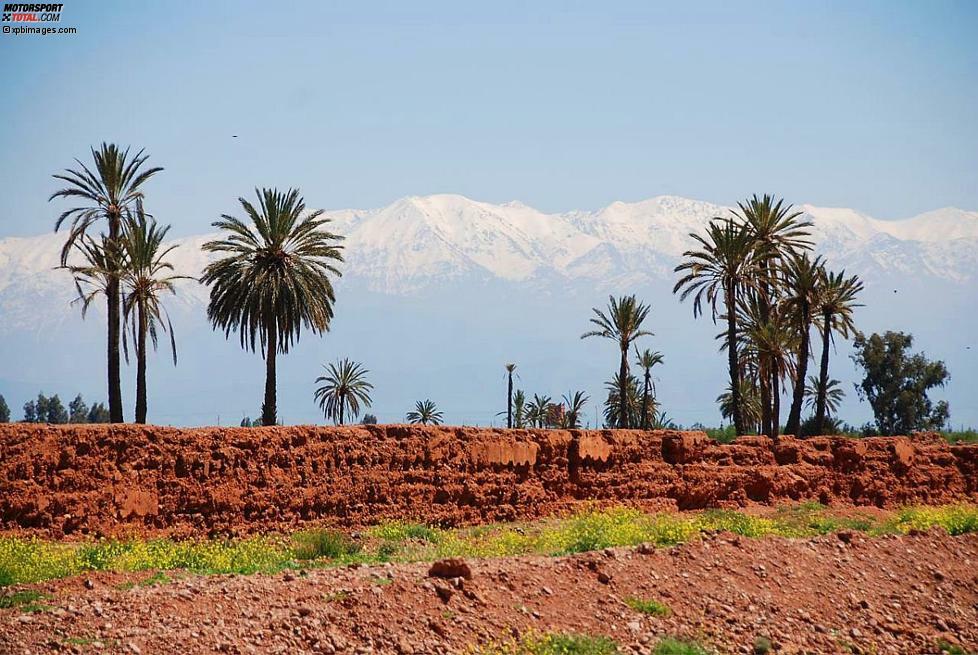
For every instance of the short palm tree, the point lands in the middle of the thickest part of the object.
(537, 411)
(509, 395)
(802, 281)
(834, 309)
(343, 390)
(623, 325)
(274, 279)
(834, 395)
(519, 409)
(613, 412)
(750, 405)
(722, 270)
(104, 193)
(146, 278)
(775, 343)
(646, 360)
(426, 413)
(573, 406)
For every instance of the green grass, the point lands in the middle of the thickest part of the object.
(35, 560)
(157, 578)
(551, 644)
(951, 649)
(672, 646)
(648, 606)
(26, 601)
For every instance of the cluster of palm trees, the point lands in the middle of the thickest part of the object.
(273, 280)
(755, 269)
(126, 263)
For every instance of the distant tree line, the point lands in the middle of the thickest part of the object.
(50, 409)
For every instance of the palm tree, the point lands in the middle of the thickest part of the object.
(519, 409)
(835, 306)
(613, 413)
(574, 405)
(344, 387)
(145, 279)
(275, 279)
(834, 395)
(622, 324)
(750, 405)
(426, 413)
(646, 360)
(509, 395)
(105, 193)
(802, 276)
(775, 343)
(724, 267)
(537, 410)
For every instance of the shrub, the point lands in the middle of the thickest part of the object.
(551, 644)
(316, 544)
(671, 646)
(652, 607)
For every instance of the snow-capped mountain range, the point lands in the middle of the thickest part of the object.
(448, 288)
(418, 242)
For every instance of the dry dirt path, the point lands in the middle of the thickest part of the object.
(832, 594)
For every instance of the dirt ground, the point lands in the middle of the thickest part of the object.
(841, 593)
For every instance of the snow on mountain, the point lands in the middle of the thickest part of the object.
(417, 242)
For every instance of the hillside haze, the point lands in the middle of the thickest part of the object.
(440, 291)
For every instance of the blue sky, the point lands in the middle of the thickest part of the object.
(561, 105)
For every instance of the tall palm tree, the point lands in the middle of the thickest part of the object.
(344, 387)
(622, 324)
(802, 277)
(574, 405)
(509, 395)
(835, 305)
(721, 270)
(646, 360)
(275, 279)
(104, 193)
(426, 413)
(519, 409)
(146, 277)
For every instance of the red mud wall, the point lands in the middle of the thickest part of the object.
(113, 479)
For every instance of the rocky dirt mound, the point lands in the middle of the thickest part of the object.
(832, 594)
(80, 480)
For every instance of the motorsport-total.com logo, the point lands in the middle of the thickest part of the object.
(31, 13)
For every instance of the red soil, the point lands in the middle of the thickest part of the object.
(832, 594)
(78, 480)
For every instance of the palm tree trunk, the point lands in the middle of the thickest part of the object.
(268, 409)
(798, 393)
(141, 363)
(765, 379)
(623, 390)
(645, 402)
(114, 319)
(732, 359)
(509, 402)
(342, 405)
(823, 374)
(775, 404)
